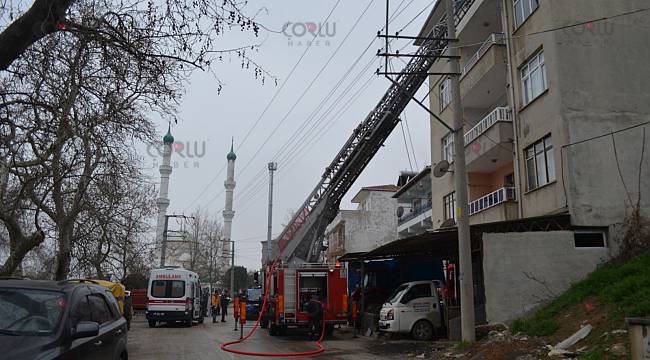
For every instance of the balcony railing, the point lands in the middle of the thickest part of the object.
(498, 114)
(416, 211)
(494, 38)
(492, 199)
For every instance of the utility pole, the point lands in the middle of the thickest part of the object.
(460, 176)
(272, 167)
(232, 269)
(163, 246)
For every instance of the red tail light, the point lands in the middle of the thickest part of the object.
(188, 303)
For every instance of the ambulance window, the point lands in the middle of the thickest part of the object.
(416, 292)
(158, 288)
(178, 288)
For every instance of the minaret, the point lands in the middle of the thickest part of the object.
(228, 213)
(163, 199)
(229, 184)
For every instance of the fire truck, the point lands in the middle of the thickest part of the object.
(293, 286)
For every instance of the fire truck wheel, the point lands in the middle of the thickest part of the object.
(282, 330)
(152, 323)
(273, 329)
(264, 323)
(422, 330)
(329, 330)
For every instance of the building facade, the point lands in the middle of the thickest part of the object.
(371, 225)
(555, 119)
(415, 207)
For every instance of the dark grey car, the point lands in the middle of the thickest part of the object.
(60, 320)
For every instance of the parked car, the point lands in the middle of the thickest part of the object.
(413, 307)
(60, 320)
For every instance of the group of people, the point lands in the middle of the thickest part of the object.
(219, 304)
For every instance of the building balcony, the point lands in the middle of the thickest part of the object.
(484, 74)
(416, 221)
(489, 143)
(499, 205)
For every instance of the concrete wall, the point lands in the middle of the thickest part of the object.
(549, 257)
(368, 229)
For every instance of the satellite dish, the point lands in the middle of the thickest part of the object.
(441, 168)
(448, 223)
(400, 211)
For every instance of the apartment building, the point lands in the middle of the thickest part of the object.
(555, 120)
(414, 209)
(372, 224)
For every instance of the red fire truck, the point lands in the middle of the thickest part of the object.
(292, 287)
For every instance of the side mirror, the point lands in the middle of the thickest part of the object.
(85, 329)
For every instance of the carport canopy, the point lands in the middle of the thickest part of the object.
(439, 243)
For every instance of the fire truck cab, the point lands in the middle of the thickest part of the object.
(292, 287)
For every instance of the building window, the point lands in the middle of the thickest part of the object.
(540, 163)
(449, 202)
(589, 239)
(533, 78)
(445, 93)
(523, 9)
(448, 147)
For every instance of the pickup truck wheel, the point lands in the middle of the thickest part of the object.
(422, 330)
(152, 323)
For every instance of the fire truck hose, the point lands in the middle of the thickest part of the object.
(267, 283)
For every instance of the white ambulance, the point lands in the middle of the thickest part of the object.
(174, 294)
(413, 307)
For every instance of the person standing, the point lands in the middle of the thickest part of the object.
(224, 305)
(215, 302)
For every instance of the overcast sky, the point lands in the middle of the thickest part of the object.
(210, 120)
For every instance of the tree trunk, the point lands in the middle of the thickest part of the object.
(65, 252)
(19, 247)
(40, 20)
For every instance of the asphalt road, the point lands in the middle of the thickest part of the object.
(202, 341)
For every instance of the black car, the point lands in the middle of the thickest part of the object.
(59, 320)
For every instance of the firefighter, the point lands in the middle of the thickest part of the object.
(315, 312)
(214, 301)
(224, 305)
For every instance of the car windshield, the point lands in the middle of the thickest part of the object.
(396, 294)
(29, 312)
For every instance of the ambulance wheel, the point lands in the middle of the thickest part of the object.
(422, 330)
(201, 319)
(188, 323)
(152, 323)
(273, 329)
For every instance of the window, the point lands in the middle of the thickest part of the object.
(589, 239)
(448, 147)
(100, 311)
(509, 180)
(445, 93)
(416, 292)
(523, 9)
(533, 78)
(167, 288)
(540, 163)
(81, 311)
(449, 202)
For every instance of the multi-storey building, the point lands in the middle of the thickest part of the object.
(414, 210)
(555, 108)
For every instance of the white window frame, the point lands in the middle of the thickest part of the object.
(444, 90)
(533, 78)
(599, 232)
(449, 206)
(540, 159)
(447, 146)
(523, 9)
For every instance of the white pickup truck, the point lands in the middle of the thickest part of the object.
(413, 307)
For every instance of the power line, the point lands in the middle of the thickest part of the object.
(250, 130)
